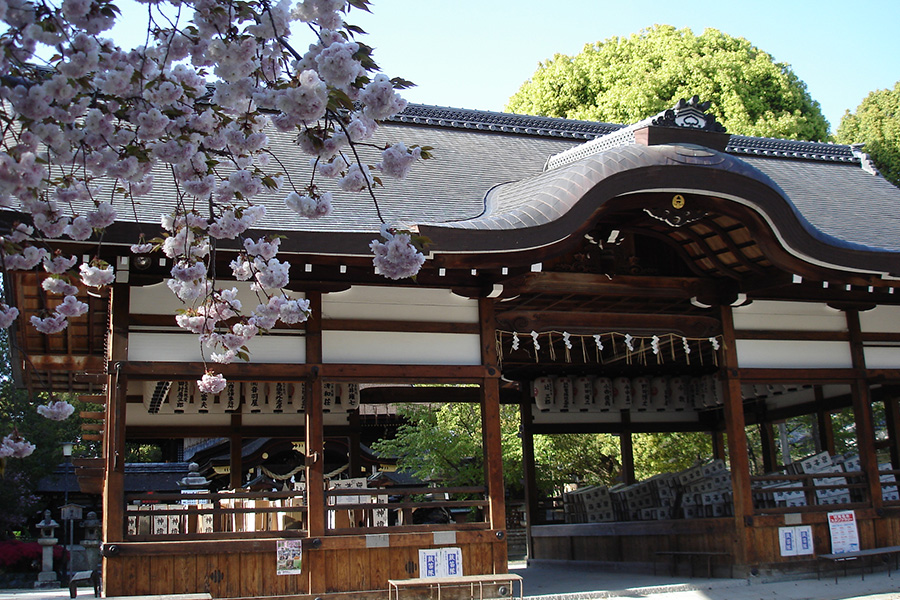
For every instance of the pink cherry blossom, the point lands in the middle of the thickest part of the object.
(397, 258)
(59, 264)
(58, 410)
(71, 307)
(49, 325)
(97, 276)
(211, 383)
(15, 446)
(8, 314)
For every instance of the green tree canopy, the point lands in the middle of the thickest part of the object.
(444, 443)
(624, 80)
(876, 123)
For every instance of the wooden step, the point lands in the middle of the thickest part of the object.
(93, 398)
(92, 437)
(92, 426)
(87, 414)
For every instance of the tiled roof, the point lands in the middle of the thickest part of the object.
(489, 174)
(503, 122)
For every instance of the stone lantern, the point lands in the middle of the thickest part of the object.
(47, 576)
(91, 541)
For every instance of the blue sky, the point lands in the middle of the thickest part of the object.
(476, 53)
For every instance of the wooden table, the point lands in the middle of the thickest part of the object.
(473, 582)
(868, 553)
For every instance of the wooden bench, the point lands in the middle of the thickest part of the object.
(505, 581)
(676, 554)
(845, 557)
(92, 577)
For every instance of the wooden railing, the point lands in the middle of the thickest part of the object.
(243, 515)
(809, 492)
(362, 510)
(215, 515)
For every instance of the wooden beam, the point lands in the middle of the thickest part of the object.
(174, 371)
(776, 334)
(67, 362)
(811, 376)
(598, 322)
(602, 285)
(892, 418)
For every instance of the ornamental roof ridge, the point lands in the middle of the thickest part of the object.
(774, 147)
(691, 114)
(461, 118)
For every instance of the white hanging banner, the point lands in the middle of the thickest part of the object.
(796, 541)
(844, 534)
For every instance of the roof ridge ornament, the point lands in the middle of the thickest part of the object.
(689, 114)
(865, 161)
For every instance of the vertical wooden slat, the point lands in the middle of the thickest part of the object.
(737, 439)
(490, 428)
(252, 576)
(162, 578)
(862, 412)
(379, 567)
(184, 577)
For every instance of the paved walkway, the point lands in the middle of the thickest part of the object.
(571, 581)
(568, 581)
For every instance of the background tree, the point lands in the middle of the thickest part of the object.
(583, 458)
(19, 476)
(624, 80)
(876, 123)
(444, 443)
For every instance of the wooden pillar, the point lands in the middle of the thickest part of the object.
(114, 438)
(825, 425)
(626, 448)
(737, 441)
(528, 467)
(236, 458)
(490, 431)
(892, 418)
(718, 444)
(769, 451)
(862, 412)
(315, 449)
(353, 441)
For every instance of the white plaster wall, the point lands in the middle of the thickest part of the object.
(393, 348)
(793, 354)
(880, 319)
(882, 357)
(802, 316)
(402, 304)
(178, 347)
(158, 299)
